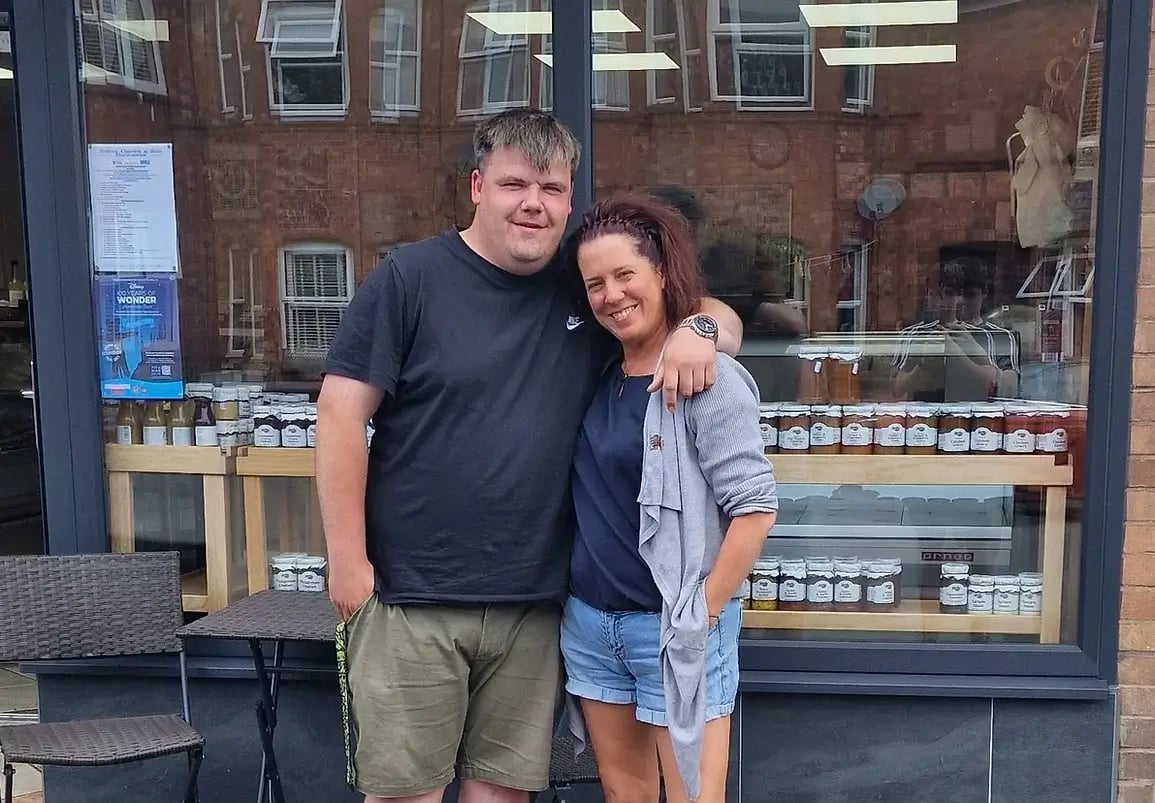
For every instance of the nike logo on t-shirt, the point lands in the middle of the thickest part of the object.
(574, 322)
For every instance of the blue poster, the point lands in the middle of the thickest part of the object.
(139, 338)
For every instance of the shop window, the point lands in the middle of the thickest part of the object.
(671, 29)
(858, 80)
(119, 44)
(395, 66)
(493, 74)
(232, 68)
(761, 54)
(244, 314)
(316, 287)
(305, 56)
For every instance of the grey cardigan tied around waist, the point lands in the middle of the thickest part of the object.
(702, 466)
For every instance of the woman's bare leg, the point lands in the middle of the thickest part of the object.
(626, 752)
(715, 760)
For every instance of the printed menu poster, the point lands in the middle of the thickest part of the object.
(139, 338)
(133, 208)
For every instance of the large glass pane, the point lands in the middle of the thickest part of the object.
(902, 215)
(249, 164)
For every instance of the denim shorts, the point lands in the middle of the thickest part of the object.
(613, 658)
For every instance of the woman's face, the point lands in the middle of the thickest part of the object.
(624, 288)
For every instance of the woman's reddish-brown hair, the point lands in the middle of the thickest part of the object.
(659, 233)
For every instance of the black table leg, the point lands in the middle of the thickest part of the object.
(266, 709)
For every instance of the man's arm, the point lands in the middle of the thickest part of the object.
(687, 364)
(343, 409)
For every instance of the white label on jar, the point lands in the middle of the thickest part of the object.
(294, 436)
(311, 436)
(156, 436)
(769, 434)
(881, 594)
(820, 591)
(1021, 441)
(764, 590)
(847, 591)
(855, 434)
(1006, 602)
(206, 436)
(922, 435)
(893, 436)
(284, 579)
(744, 590)
(985, 439)
(1030, 603)
(954, 440)
(266, 435)
(1053, 442)
(979, 602)
(954, 594)
(182, 436)
(124, 434)
(795, 439)
(792, 590)
(310, 580)
(824, 435)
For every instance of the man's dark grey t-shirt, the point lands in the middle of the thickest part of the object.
(487, 376)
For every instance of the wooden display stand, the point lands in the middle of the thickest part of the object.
(254, 465)
(922, 615)
(203, 591)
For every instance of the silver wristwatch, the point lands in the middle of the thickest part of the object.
(702, 325)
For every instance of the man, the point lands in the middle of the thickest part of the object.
(978, 359)
(449, 540)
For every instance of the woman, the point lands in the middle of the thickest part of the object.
(672, 510)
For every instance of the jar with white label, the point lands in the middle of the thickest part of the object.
(228, 433)
(987, 428)
(311, 425)
(1007, 588)
(825, 429)
(268, 425)
(244, 402)
(819, 584)
(743, 593)
(794, 428)
(154, 427)
(768, 426)
(879, 586)
(812, 379)
(1030, 593)
(284, 572)
(764, 579)
(954, 429)
(954, 585)
(921, 429)
(311, 573)
(848, 585)
(792, 585)
(981, 595)
(1022, 426)
(204, 421)
(295, 434)
(890, 429)
(1054, 430)
(858, 429)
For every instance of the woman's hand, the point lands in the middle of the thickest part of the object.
(687, 366)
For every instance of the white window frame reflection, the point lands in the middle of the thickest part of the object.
(496, 50)
(313, 53)
(230, 58)
(856, 257)
(389, 53)
(611, 88)
(94, 17)
(290, 304)
(860, 36)
(730, 35)
(686, 51)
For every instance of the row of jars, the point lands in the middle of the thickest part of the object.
(1008, 595)
(823, 584)
(914, 428)
(829, 375)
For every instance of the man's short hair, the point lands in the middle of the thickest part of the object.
(537, 134)
(965, 273)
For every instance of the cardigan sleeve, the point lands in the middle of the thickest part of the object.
(723, 421)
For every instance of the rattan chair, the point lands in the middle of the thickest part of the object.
(567, 770)
(89, 606)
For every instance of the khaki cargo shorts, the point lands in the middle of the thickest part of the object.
(428, 690)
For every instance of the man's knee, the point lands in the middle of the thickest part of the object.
(475, 791)
(426, 797)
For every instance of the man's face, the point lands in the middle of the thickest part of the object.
(521, 211)
(971, 303)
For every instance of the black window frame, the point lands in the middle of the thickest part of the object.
(52, 141)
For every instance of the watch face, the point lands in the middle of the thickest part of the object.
(706, 324)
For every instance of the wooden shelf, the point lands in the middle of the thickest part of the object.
(901, 469)
(168, 460)
(194, 592)
(913, 616)
(276, 462)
